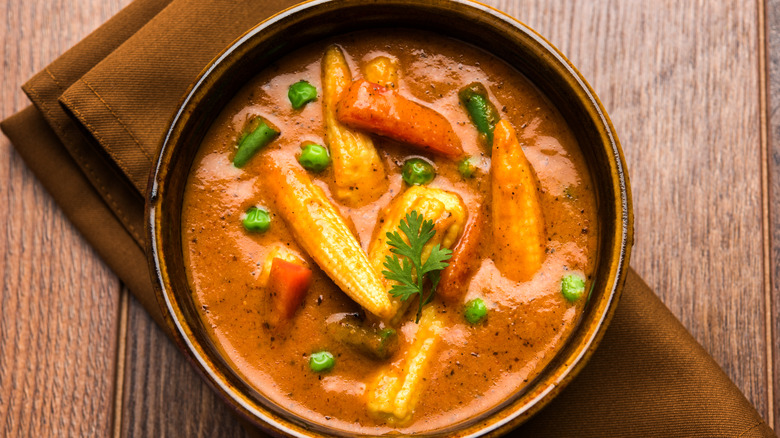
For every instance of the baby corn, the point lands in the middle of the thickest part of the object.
(395, 391)
(359, 175)
(321, 231)
(518, 223)
(445, 209)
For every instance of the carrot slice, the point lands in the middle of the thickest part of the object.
(287, 285)
(454, 277)
(383, 111)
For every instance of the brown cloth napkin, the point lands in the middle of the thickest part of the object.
(102, 107)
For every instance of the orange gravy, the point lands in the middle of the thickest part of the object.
(477, 366)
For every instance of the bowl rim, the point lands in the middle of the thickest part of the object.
(261, 416)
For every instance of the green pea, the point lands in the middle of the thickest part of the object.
(573, 287)
(417, 171)
(257, 220)
(301, 93)
(467, 167)
(475, 311)
(321, 361)
(314, 157)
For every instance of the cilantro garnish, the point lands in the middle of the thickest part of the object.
(409, 271)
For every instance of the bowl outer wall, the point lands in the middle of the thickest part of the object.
(513, 412)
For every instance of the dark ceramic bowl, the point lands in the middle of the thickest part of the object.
(473, 23)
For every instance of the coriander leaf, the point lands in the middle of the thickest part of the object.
(435, 277)
(403, 291)
(409, 271)
(400, 271)
(399, 246)
(438, 259)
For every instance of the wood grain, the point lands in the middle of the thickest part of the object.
(163, 396)
(694, 158)
(766, 231)
(680, 80)
(772, 11)
(55, 292)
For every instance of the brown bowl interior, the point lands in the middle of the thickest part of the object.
(472, 23)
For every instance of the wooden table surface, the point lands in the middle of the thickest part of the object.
(692, 86)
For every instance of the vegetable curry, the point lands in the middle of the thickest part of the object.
(389, 231)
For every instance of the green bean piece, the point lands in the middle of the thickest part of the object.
(417, 171)
(573, 287)
(482, 112)
(257, 220)
(475, 311)
(321, 361)
(257, 139)
(314, 157)
(467, 167)
(301, 93)
(348, 329)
